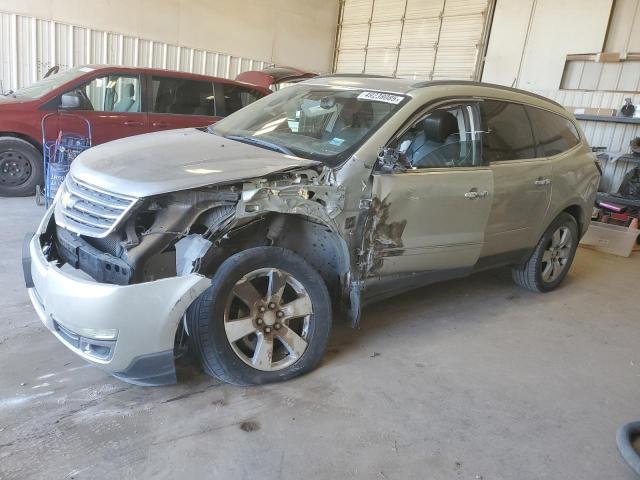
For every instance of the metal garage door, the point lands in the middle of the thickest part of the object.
(421, 39)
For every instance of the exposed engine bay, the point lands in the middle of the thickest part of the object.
(193, 231)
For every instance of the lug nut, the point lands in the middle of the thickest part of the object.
(277, 326)
(259, 321)
(267, 329)
(272, 305)
(262, 309)
(279, 314)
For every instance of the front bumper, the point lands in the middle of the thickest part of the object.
(128, 330)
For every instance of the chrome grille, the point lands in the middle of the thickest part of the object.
(88, 210)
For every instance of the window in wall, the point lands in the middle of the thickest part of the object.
(507, 134)
(182, 96)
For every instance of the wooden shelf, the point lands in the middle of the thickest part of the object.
(616, 119)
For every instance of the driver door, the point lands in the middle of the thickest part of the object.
(429, 219)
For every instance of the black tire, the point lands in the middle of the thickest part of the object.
(205, 317)
(529, 274)
(27, 171)
(626, 438)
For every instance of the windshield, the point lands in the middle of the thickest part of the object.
(46, 85)
(311, 121)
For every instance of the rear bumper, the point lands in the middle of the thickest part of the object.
(128, 331)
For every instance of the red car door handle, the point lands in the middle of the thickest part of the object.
(132, 123)
(160, 124)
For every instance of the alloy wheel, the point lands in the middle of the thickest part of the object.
(267, 318)
(557, 254)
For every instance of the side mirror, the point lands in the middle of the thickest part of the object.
(392, 160)
(70, 101)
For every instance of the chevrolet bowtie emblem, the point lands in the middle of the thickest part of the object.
(67, 200)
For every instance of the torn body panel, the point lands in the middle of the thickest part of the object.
(111, 326)
(307, 193)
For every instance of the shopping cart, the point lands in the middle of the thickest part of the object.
(58, 155)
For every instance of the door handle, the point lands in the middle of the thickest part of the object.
(160, 124)
(132, 123)
(542, 181)
(473, 194)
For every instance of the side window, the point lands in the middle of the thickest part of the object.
(446, 137)
(112, 93)
(182, 96)
(508, 134)
(237, 97)
(554, 133)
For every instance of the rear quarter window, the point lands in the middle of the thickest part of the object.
(508, 132)
(237, 97)
(554, 134)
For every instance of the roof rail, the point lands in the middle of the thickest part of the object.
(433, 83)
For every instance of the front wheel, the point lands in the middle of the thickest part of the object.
(552, 257)
(265, 318)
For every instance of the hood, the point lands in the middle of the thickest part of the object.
(8, 100)
(175, 160)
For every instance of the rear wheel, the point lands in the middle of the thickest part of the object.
(20, 167)
(550, 261)
(265, 318)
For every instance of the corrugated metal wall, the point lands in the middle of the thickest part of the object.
(30, 46)
(421, 39)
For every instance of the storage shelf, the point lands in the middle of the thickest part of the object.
(610, 119)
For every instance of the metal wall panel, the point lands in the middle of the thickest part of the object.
(420, 39)
(30, 46)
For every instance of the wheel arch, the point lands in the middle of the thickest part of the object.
(318, 243)
(577, 212)
(25, 137)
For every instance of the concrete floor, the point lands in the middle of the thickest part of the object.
(470, 379)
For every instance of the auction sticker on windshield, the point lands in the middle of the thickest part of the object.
(381, 97)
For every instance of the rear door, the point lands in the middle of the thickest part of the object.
(113, 105)
(522, 180)
(177, 102)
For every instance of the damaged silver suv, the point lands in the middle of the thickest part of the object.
(244, 239)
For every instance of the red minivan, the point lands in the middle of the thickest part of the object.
(118, 101)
